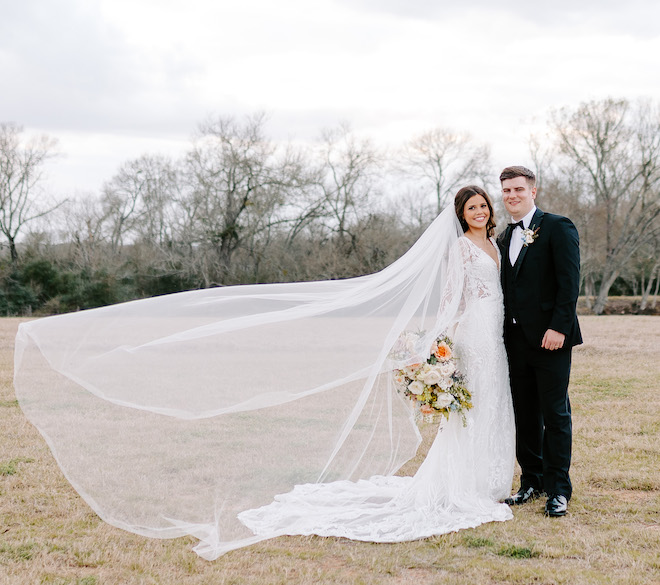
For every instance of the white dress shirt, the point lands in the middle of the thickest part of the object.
(516, 243)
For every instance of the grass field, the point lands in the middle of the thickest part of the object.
(612, 533)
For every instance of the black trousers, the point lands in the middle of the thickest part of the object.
(539, 386)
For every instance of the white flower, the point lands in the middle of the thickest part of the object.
(447, 369)
(422, 370)
(529, 235)
(443, 400)
(406, 342)
(416, 387)
(430, 375)
(400, 379)
(446, 383)
(411, 342)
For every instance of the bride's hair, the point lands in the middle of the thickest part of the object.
(463, 196)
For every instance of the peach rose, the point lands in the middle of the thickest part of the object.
(443, 352)
(411, 371)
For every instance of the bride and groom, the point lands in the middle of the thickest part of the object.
(241, 413)
(518, 299)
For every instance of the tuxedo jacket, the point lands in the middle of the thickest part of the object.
(541, 289)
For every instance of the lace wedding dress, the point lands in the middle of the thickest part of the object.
(467, 470)
(186, 414)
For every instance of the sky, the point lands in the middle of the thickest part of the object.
(114, 79)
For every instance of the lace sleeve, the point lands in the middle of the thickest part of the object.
(453, 300)
(471, 276)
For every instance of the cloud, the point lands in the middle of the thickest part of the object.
(111, 77)
(69, 68)
(638, 17)
(61, 58)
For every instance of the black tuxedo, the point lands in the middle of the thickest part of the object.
(540, 293)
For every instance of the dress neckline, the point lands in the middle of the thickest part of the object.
(490, 239)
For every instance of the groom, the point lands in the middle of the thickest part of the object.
(541, 281)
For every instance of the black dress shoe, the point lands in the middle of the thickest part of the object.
(522, 496)
(556, 506)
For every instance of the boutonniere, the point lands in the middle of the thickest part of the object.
(529, 235)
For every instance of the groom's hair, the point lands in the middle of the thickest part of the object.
(518, 171)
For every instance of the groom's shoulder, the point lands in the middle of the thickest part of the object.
(560, 227)
(555, 218)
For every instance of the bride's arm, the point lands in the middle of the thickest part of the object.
(454, 301)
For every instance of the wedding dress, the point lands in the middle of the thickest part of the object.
(187, 414)
(467, 470)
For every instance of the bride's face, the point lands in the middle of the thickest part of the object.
(476, 212)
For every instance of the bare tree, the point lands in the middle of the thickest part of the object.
(159, 189)
(139, 207)
(83, 222)
(348, 180)
(541, 155)
(237, 180)
(122, 202)
(445, 160)
(648, 270)
(21, 171)
(615, 150)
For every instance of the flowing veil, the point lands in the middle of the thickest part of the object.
(171, 415)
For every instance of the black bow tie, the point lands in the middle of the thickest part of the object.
(520, 224)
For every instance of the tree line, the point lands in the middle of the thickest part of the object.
(239, 207)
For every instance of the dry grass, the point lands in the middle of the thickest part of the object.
(611, 535)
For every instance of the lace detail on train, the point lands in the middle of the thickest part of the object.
(467, 470)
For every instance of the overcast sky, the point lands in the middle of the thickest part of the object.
(114, 79)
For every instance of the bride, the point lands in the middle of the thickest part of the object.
(242, 413)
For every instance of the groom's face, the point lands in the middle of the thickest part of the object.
(518, 197)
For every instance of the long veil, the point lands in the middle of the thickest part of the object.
(171, 415)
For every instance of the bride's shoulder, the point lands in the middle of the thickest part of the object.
(466, 243)
(461, 247)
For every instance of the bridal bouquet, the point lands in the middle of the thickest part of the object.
(436, 386)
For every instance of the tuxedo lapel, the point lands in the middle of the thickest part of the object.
(534, 224)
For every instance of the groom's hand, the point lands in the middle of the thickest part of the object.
(553, 340)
